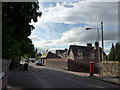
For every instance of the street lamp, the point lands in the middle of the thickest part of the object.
(98, 41)
(98, 47)
(97, 30)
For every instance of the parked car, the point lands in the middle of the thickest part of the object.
(27, 61)
(32, 59)
(38, 62)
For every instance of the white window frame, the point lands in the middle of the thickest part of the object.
(80, 54)
(92, 56)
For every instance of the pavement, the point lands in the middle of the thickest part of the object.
(113, 80)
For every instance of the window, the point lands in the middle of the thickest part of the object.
(80, 54)
(92, 56)
(79, 51)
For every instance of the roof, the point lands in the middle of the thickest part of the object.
(96, 51)
(61, 51)
(38, 54)
(44, 55)
(85, 49)
(49, 55)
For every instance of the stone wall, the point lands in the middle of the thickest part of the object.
(77, 65)
(57, 64)
(4, 73)
(110, 68)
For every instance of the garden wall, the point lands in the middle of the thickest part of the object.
(110, 68)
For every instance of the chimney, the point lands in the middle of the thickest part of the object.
(66, 49)
(56, 51)
(89, 44)
(96, 44)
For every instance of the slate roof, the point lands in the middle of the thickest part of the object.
(48, 55)
(61, 51)
(95, 51)
(84, 49)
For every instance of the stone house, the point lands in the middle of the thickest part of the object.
(82, 55)
(62, 53)
(48, 55)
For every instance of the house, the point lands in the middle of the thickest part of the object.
(82, 55)
(48, 55)
(62, 53)
(38, 55)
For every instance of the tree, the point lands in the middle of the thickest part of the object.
(16, 28)
(117, 51)
(114, 54)
(111, 55)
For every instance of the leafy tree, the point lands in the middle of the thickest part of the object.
(16, 28)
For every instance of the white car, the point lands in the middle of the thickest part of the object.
(38, 62)
(32, 59)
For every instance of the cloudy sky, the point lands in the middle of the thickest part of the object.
(63, 24)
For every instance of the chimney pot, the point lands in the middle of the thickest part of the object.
(96, 44)
(89, 44)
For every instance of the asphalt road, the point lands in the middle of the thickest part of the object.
(40, 77)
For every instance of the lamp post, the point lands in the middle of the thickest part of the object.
(98, 45)
(102, 58)
(98, 41)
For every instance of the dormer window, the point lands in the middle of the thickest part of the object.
(92, 56)
(80, 54)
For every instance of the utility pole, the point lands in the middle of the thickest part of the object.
(98, 47)
(102, 40)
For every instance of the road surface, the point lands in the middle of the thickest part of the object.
(40, 77)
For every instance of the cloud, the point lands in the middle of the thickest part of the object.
(78, 0)
(102, 0)
(110, 35)
(33, 37)
(77, 36)
(82, 12)
(107, 50)
(85, 12)
(81, 35)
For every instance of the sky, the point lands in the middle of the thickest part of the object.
(64, 23)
